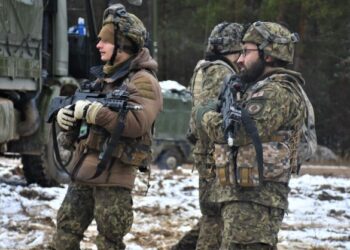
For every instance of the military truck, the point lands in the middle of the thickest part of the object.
(170, 146)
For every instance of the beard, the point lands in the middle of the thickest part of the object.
(254, 72)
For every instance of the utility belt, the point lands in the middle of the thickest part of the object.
(136, 152)
(240, 167)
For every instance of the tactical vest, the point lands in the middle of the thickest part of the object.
(280, 150)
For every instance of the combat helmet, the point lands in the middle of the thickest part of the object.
(225, 38)
(272, 38)
(126, 25)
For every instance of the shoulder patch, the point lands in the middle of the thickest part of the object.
(145, 88)
(254, 108)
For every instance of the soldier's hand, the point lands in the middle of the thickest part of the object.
(202, 109)
(81, 108)
(65, 118)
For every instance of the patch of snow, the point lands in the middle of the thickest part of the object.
(318, 214)
(171, 85)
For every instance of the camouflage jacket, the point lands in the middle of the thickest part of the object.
(134, 147)
(278, 110)
(205, 86)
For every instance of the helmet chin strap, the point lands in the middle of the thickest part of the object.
(117, 13)
(116, 45)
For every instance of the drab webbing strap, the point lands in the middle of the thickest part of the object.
(107, 155)
(59, 162)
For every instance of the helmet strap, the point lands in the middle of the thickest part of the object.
(261, 53)
(263, 45)
(116, 45)
(111, 61)
(117, 14)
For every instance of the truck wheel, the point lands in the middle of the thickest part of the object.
(169, 159)
(44, 170)
(34, 171)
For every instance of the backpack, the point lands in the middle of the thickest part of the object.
(308, 139)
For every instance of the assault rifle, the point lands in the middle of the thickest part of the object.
(234, 115)
(116, 100)
(229, 107)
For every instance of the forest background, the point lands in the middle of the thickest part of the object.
(179, 30)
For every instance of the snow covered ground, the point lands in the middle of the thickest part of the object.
(318, 216)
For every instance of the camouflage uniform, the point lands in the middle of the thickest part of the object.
(252, 214)
(111, 207)
(205, 86)
(107, 197)
(204, 162)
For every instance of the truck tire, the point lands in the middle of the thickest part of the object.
(169, 159)
(44, 169)
(34, 171)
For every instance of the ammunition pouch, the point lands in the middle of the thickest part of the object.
(225, 174)
(133, 154)
(242, 168)
(223, 161)
(130, 151)
(276, 164)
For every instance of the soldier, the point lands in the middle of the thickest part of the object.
(254, 205)
(107, 197)
(224, 46)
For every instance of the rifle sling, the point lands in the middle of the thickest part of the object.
(252, 131)
(57, 151)
(112, 144)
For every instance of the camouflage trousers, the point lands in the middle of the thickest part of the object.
(210, 229)
(240, 226)
(189, 240)
(111, 207)
(206, 235)
(249, 225)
